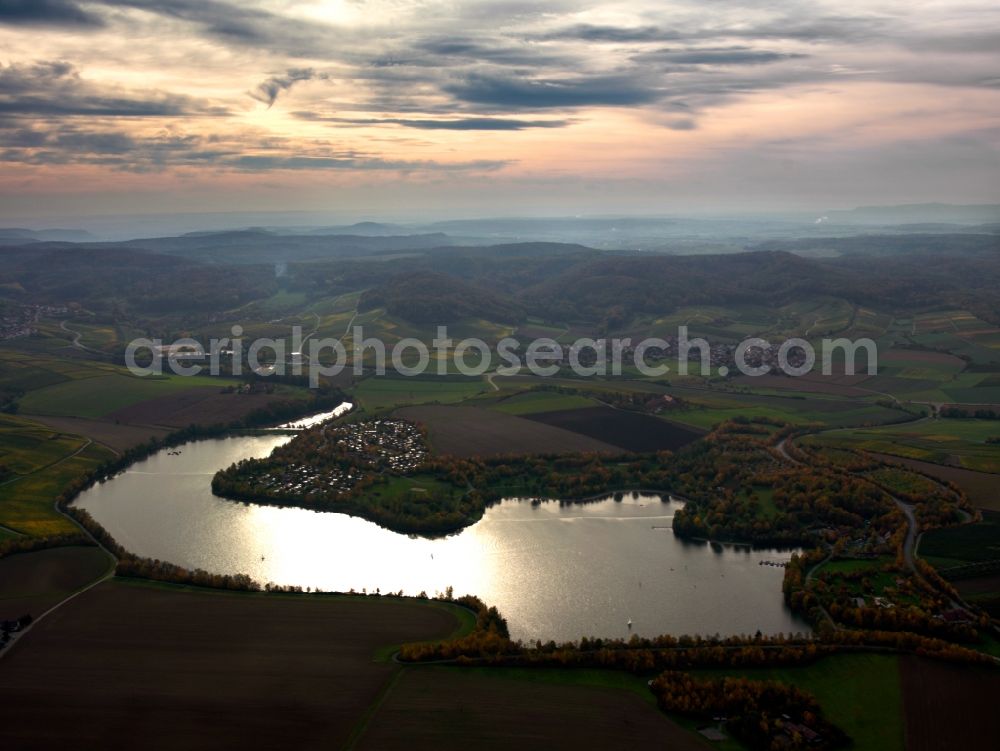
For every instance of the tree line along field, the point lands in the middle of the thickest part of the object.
(311, 672)
(315, 671)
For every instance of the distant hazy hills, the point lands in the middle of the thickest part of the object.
(17, 236)
(918, 214)
(671, 234)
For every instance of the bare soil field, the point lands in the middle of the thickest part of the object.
(470, 431)
(949, 706)
(113, 435)
(837, 375)
(31, 583)
(631, 431)
(899, 385)
(982, 488)
(918, 355)
(128, 666)
(979, 585)
(450, 708)
(200, 405)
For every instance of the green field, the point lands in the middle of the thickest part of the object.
(542, 401)
(99, 396)
(411, 487)
(25, 370)
(966, 543)
(26, 447)
(43, 462)
(801, 413)
(383, 393)
(764, 496)
(943, 441)
(860, 693)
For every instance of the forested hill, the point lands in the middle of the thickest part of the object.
(648, 284)
(985, 241)
(429, 297)
(502, 283)
(108, 279)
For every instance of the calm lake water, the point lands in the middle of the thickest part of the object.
(555, 571)
(308, 422)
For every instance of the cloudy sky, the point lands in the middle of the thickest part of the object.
(408, 108)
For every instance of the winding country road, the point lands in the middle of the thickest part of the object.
(909, 545)
(76, 340)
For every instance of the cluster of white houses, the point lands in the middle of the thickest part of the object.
(394, 445)
(372, 446)
(19, 321)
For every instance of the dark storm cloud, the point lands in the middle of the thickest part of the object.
(466, 123)
(480, 123)
(518, 93)
(718, 56)
(237, 24)
(46, 13)
(68, 144)
(55, 89)
(268, 91)
(484, 49)
(616, 34)
(825, 29)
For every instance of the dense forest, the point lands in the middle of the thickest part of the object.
(429, 297)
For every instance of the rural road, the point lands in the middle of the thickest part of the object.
(76, 339)
(17, 636)
(113, 560)
(911, 519)
(86, 443)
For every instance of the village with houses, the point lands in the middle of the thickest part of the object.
(329, 461)
(17, 321)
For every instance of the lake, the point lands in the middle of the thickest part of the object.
(556, 571)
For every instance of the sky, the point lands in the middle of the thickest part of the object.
(414, 109)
